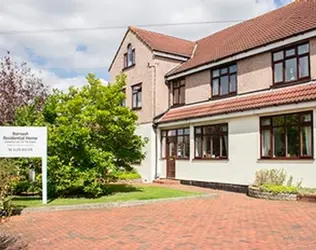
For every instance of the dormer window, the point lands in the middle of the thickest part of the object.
(291, 64)
(129, 57)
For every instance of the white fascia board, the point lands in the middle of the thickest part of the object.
(170, 56)
(259, 111)
(242, 55)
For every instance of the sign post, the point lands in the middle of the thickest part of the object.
(28, 142)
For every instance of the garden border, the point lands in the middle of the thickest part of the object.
(256, 193)
(108, 204)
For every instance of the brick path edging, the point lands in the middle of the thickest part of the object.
(111, 204)
(256, 193)
(306, 198)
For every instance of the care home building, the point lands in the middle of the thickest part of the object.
(218, 109)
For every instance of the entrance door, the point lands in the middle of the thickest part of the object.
(171, 156)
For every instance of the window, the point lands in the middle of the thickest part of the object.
(287, 136)
(178, 92)
(182, 138)
(211, 142)
(129, 57)
(137, 96)
(224, 81)
(291, 64)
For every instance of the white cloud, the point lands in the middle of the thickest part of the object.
(60, 48)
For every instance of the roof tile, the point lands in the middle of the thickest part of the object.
(165, 43)
(278, 97)
(293, 19)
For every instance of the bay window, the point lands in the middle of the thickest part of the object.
(211, 142)
(291, 64)
(287, 136)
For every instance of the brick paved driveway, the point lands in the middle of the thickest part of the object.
(229, 221)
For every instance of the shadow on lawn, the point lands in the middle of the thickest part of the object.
(121, 188)
(111, 189)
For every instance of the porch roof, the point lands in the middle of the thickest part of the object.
(273, 97)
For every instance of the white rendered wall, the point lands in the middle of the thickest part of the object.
(147, 167)
(244, 158)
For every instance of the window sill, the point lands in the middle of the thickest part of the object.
(218, 97)
(177, 105)
(178, 159)
(286, 160)
(137, 108)
(291, 83)
(211, 159)
(128, 67)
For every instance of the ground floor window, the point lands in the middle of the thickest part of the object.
(211, 142)
(287, 136)
(175, 141)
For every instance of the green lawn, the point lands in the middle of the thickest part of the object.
(118, 192)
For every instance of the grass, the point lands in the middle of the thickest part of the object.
(118, 193)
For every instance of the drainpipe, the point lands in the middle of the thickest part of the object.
(153, 66)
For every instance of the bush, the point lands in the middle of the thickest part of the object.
(20, 187)
(270, 176)
(277, 189)
(132, 175)
(8, 175)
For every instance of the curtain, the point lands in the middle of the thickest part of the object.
(266, 143)
(307, 139)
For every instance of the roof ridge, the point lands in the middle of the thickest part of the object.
(134, 28)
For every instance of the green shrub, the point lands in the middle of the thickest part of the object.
(21, 186)
(8, 176)
(277, 189)
(128, 175)
(270, 176)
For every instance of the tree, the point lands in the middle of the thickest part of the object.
(18, 87)
(90, 135)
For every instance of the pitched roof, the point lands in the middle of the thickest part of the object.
(293, 19)
(289, 95)
(164, 43)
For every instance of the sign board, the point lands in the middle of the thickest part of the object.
(26, 142)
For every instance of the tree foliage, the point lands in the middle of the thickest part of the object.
(18, 87)
(90, 135)
(8, 175)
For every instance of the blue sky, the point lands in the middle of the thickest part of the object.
(65, 58)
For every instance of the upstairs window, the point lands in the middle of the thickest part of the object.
(178, 92)
(224, 81)
(137, 96)
(291, 64)
(129, 57)
(287, 136)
